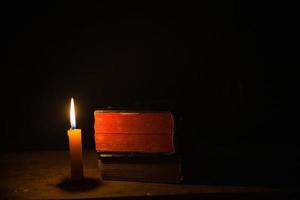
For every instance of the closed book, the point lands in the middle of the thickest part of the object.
(132, 131)
(137, 146)
(142, 167)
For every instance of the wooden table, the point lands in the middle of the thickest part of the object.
(44, 175)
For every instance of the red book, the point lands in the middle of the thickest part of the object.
(134, 132)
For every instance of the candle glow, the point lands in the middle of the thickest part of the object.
(72, 114)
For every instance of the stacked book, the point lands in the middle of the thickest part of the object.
(137, 146)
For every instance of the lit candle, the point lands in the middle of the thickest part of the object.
(75, 146)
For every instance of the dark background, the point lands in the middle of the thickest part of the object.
(224, 69)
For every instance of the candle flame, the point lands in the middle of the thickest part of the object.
(72, 114)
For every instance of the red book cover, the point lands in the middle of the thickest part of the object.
(128, 131)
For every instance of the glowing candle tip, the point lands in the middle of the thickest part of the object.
(72, 114)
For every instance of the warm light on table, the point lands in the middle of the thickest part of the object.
(75, 146)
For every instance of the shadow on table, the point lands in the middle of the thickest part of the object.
(79, 185)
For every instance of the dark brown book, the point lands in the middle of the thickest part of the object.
(141, 167)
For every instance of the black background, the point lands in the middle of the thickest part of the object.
(224, 69)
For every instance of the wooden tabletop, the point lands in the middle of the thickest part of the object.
(45, 175)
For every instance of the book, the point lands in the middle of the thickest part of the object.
(142, 168)
(131, 131)
(137, 146)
